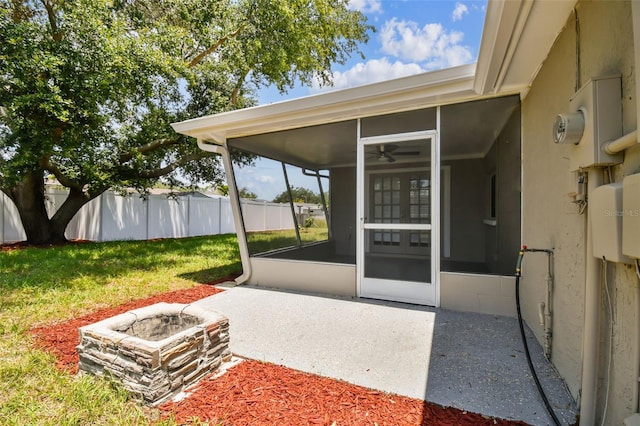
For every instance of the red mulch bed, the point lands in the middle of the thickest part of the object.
(255, 393)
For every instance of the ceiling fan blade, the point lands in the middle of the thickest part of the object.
(407, 153)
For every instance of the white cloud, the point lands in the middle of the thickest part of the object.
(265, 179)
(430, 45)
(366, 6)
(459, 11)
(371, 71)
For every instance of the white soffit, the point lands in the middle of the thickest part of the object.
(516, 40)
(421, 90)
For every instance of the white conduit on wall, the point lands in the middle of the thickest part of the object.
(590, 342)
(625, 142)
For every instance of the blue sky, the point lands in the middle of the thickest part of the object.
(412, 36)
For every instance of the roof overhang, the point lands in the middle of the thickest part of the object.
(416, 91)
(516, 39)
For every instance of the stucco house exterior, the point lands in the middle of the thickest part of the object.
(437, 180)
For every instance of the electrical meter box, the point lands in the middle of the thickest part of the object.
(600, 101)
(605, 216)
(631, 216)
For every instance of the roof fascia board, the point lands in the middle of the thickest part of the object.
(357, 108)
(545, 22)
(503, 27)
(377, 98)
(516, 39)
(516, 34)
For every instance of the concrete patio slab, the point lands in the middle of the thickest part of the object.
(470, 361)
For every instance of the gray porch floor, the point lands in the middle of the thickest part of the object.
(470, 361)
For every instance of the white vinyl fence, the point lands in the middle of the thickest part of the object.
(113, 217)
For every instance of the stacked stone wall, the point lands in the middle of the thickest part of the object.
(155, 370)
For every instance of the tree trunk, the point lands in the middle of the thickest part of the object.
(29, 198)
(74, 202)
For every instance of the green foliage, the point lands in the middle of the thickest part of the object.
(300, 195)
(309, 222)
(242, 192)
(223, 189)
(90, 86)
(245, 193)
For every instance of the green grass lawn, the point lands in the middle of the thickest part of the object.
(260, 242)
(44, 285)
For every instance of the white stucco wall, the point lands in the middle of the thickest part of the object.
(551, 221)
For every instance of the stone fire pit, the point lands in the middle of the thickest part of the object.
(158, 350)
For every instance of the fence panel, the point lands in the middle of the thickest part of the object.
(167, 218)
(286, 219)
(112, 217)
(204, 216)
(272, 216)
(123, 218)
(227, 225)
(253, 215)
(12, 230)
(85, 225)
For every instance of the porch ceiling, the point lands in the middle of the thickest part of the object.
(468, 130)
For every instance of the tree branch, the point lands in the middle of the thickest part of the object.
(51, 14)
(151, 146)
(236, 88)
(45, 163)
(156, 173)
(195, 61)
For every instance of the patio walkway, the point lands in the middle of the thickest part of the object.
(470, 361)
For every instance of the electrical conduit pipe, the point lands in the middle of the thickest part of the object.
(590, 341)
(624, 142)
(235, 208)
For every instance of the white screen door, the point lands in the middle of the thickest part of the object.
(398, 216)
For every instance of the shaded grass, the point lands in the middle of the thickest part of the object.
(45, 285)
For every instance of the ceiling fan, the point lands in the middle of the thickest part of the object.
(384, 153)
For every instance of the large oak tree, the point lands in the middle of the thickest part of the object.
(88, 87)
